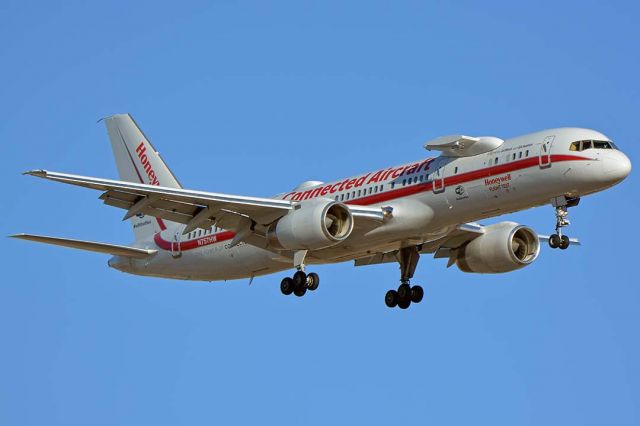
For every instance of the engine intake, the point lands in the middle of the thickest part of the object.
(504, 247)
(314, 225)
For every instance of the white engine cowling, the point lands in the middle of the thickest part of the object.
(504, 247)
(314, 225)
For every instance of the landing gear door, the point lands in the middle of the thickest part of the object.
(176, 246)
(545, 152)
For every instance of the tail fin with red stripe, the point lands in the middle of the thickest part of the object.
(138, 161)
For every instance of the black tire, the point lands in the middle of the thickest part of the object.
(286, 286)
(300, 280)
(404, 293)
(554, 241)
(404, 304)
(313, 281)
(300, 291)
(417, 293)
(391, 299)
(564, 242)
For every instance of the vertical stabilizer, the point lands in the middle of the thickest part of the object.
(138, 161)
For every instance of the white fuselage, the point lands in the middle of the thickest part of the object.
(429, 198)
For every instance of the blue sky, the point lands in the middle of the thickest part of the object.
(253, 98)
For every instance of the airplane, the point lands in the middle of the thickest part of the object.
(393, 215)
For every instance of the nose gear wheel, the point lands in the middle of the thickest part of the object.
(561, 206)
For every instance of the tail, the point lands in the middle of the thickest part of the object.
(138, 161)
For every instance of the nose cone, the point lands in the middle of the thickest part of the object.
(616, 166)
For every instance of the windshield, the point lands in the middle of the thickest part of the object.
(591, 144)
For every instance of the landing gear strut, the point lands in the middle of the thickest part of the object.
(561, 205)
(406, 293)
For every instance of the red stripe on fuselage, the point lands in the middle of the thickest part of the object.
(391, 195)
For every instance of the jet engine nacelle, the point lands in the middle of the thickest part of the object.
(504, 247)
(314, 225)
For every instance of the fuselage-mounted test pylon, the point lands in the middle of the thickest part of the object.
(396, 214)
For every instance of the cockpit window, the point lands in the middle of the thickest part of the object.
(589, 144)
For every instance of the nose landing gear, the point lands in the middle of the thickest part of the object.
(561, 205)
(406, 293)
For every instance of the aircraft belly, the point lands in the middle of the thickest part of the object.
(212, 263)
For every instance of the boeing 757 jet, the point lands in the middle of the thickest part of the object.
(394, 215)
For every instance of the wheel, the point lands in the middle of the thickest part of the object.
(564, 242)
(300, 291)
(404, 304)
(313, 281)
(286, 286)
(300, 280)
(554, 241)
(391, 298)
(404, 292)
(417, 293)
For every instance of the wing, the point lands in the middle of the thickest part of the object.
(196, 209)
(443, 247)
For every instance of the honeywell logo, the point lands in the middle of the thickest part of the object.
(153, 179)
(501, 179)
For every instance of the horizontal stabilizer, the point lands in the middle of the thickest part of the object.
(114, 249)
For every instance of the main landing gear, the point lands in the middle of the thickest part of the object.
(561, 205)
(406, 293)
(300, 283)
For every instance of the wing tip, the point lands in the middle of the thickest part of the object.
(36, 172)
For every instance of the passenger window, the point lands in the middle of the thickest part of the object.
(370, 190)
(337, 198)
(514, 155)
(359, 192)
(404, 182)
(341, 197)
(393, 184)
(520, 155)
(526, 153)
(496, 161)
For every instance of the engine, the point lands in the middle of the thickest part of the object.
(504, 247)
(314, 225)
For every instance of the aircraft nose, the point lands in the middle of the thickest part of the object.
(616, 166)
